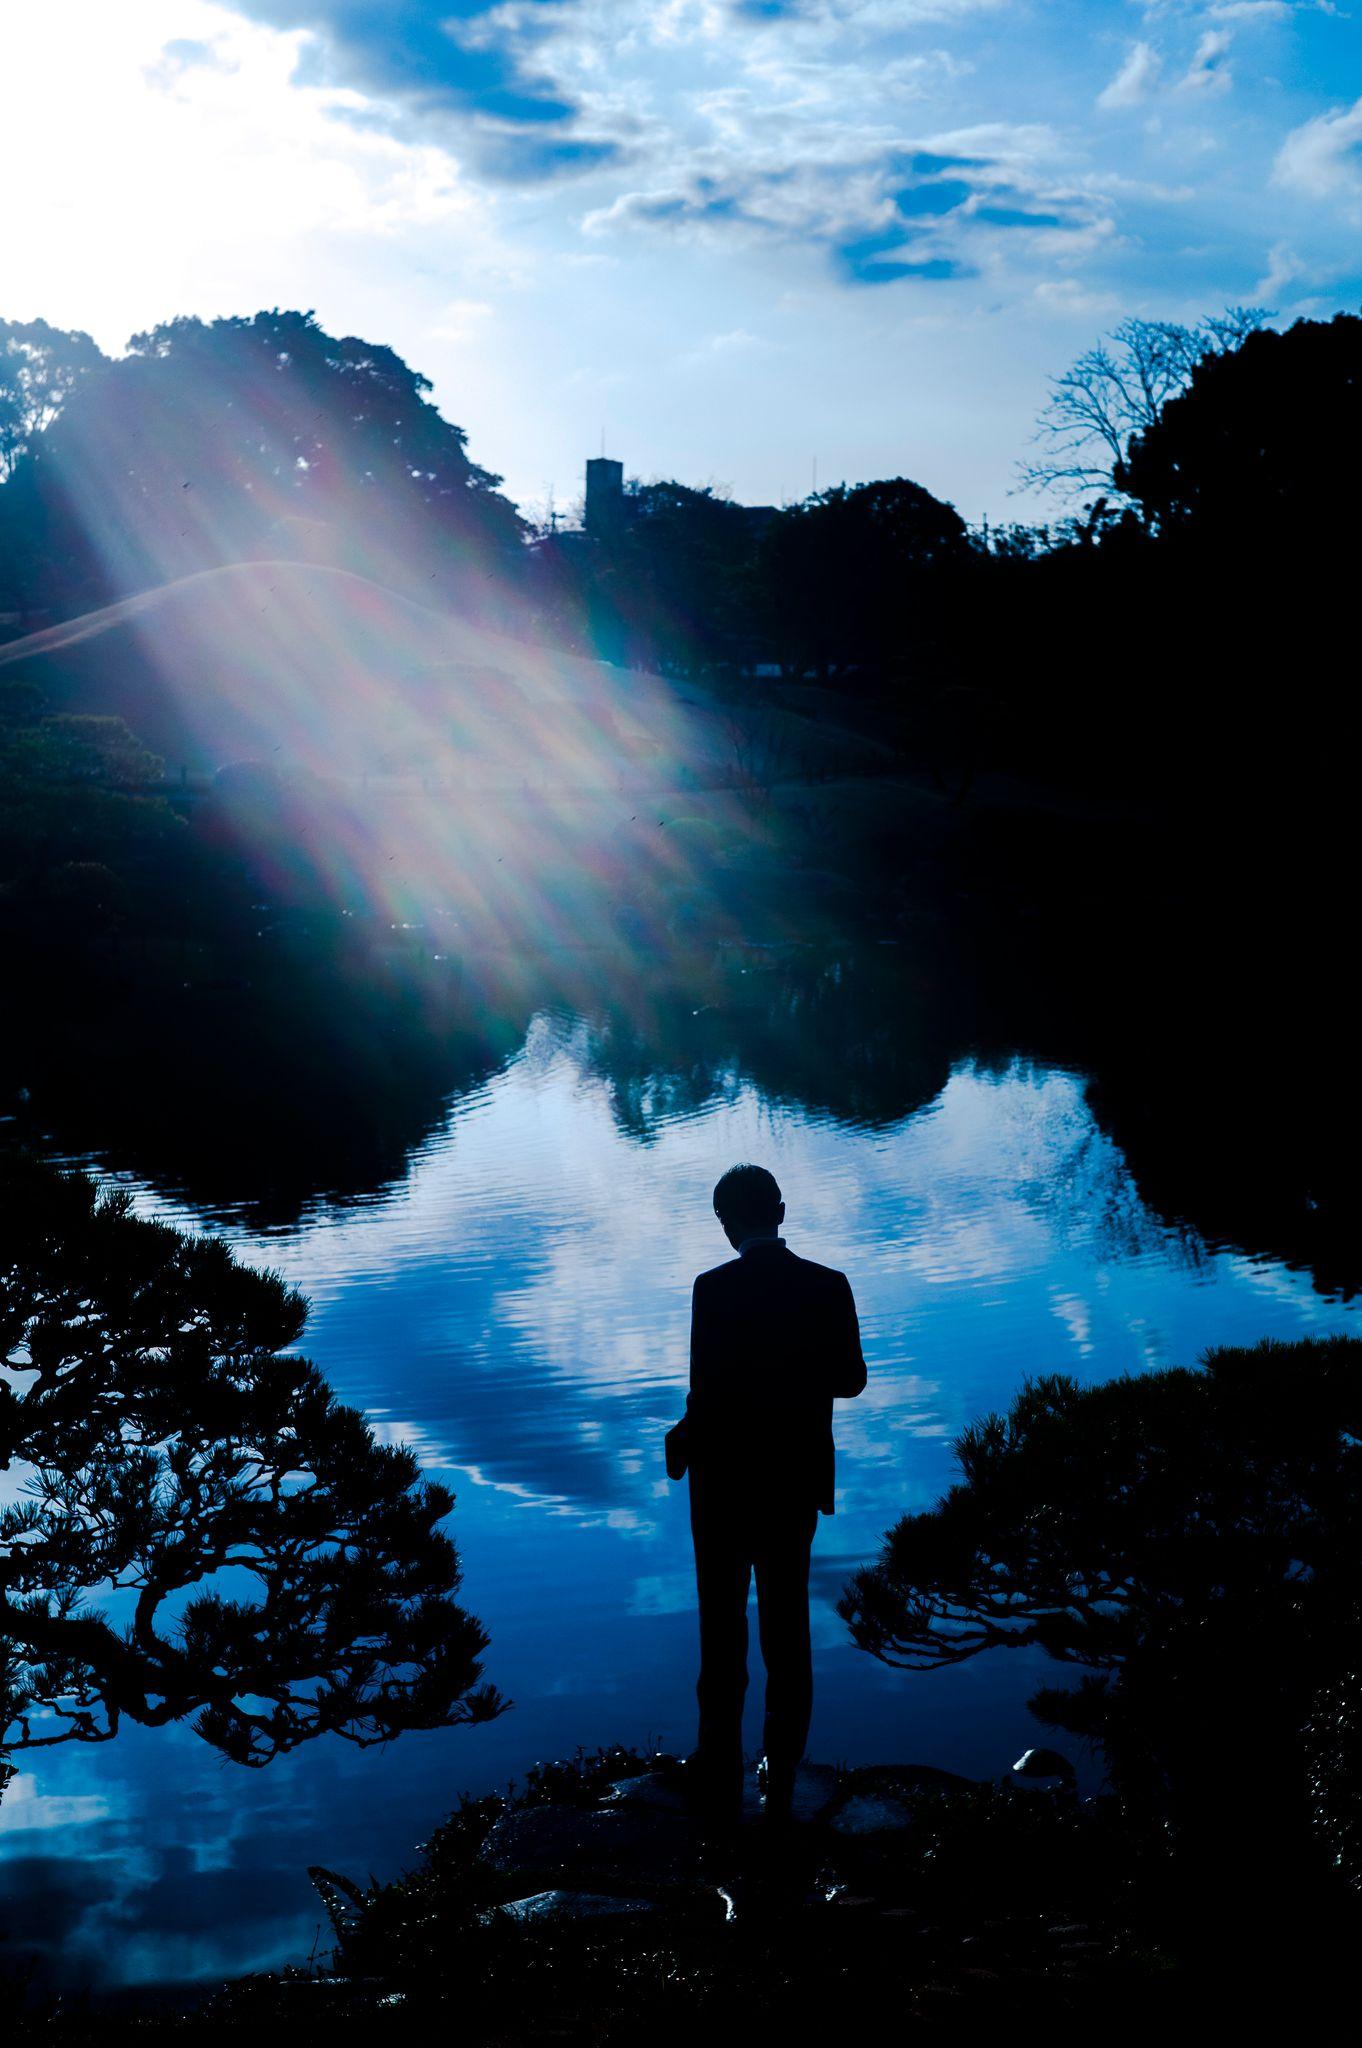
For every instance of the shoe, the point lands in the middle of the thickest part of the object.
(715, 1805)
(775, 1787)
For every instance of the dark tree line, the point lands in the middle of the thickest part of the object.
(210, 442)
(1170, 655)
(84, 838)
(846, 588)
(230, 440)
(1170, 662)
(1143, 716)
(1174, 645)
(1258, 455)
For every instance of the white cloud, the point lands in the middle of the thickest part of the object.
(732, 350)
(460, 320)
(1208, 70)
(1284, 266)
(1323, 157)
(935, 206)
(26, 1809)
(1135, 80)
(1011, 142)
(770, 162)
(872, 17)
(208, 182)
(1072, 300)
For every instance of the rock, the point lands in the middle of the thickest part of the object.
(1042, 1770)
(658, 1791)
(566, 1905)
(907, 1781)
(871, 1813)
(815, 1787)
(663, 1790)
(618, 1840)
(884, 1798)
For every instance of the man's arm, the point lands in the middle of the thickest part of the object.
(845, 1357)
(701, 1342)
(676, 1443)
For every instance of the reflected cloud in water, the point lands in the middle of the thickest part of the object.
(515, 1309)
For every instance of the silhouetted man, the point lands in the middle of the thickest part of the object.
(774, 1340)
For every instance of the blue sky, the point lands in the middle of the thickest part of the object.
(735, 236)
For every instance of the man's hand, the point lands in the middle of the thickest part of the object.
(676, 1443)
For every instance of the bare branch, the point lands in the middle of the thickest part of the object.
(1118, 389)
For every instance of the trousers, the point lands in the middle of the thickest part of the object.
(734, 1539)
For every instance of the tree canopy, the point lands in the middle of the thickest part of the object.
(267, 1570)
(40, 367)
(1118, 388)
(217, 441)
(670, 586)
(1188, 1538)
(83, 834)
(846, 573)
(1261, 450)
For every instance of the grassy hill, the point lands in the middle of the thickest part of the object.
(303, 665)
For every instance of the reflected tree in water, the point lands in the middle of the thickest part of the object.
(263, 1567)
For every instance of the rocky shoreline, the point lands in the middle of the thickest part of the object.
(587, 1907)
(590, 1906)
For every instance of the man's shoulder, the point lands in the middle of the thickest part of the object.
(827, 1278)
(760, 1267)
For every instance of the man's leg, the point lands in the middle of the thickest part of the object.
(722, 1575)
(782, 1565)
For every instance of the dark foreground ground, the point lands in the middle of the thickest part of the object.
(587, 1908)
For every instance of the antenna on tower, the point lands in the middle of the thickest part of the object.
(602, 441)
(815, 476)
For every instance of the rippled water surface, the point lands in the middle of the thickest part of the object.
(516, 1310)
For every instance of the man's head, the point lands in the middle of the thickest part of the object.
(747, 1203)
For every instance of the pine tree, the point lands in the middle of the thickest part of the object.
(198, 1531)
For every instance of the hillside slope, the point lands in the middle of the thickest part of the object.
(306, 665)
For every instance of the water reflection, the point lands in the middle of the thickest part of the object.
(514, 1306)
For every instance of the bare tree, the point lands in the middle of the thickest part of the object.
(1118, 389)
(763, 752)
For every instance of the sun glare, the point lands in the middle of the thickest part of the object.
(191, 167)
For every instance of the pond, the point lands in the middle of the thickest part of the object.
(513, 1305)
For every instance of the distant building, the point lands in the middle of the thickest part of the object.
(574, 554)
(604, 514)
(759, 518)
(605, 510)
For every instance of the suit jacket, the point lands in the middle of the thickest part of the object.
(773, 1342)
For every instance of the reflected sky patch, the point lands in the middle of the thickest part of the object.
(515, 1309)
